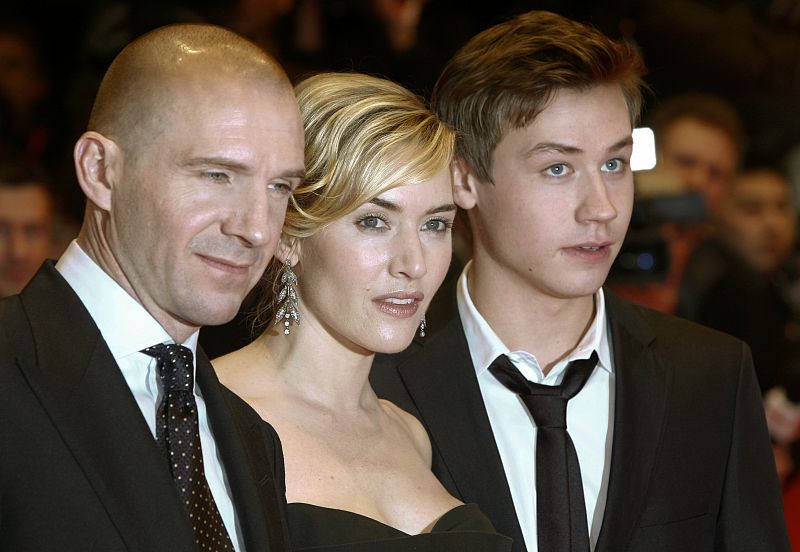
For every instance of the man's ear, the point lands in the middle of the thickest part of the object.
(288, 249)
(464, 184)
(97, 161)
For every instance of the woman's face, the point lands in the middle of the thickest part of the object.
(367, 278)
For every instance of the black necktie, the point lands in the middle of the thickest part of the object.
(178, 436)
(560, 509)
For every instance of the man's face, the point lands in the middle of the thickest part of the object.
(558, 210)
(197, 213)
(25, 232)
(757, 220)
(702, 157)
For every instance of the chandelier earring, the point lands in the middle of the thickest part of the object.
(422, 326)
(287, 298)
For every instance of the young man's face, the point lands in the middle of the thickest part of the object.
(557, 213)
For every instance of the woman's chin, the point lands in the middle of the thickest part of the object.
(393, 342)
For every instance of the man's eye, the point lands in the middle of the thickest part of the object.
(558, 169)
(437, 225)
(281, 186)
(217, 176)
(614, 165)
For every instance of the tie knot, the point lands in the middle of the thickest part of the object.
(546, 403)
(175, 366)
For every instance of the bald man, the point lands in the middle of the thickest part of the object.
(115, 433)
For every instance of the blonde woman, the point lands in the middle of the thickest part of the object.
(366, 244)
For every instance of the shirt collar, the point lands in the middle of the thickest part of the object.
(485, 346)
(124, 323)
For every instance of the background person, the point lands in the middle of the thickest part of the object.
(700, 143)
(27, 213)
(736, 282)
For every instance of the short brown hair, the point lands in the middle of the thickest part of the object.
(505, 76)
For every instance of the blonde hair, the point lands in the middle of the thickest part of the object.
(364, 135)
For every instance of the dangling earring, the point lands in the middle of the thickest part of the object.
(422, 327)
(288, 295)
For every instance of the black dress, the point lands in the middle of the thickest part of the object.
(462, 529)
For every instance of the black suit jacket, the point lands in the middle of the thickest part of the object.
(79, 468)
(691, 465)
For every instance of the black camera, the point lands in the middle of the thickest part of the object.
(644, 256)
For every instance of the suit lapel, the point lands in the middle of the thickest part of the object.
(642, 388)
(442, 384)
(240, 446)
(79, 384)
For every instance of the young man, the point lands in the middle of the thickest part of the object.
(666, 447)
(116, 434)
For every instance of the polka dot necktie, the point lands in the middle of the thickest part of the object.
(561, 523)
(178, 436)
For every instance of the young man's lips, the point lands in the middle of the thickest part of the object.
(590, 251)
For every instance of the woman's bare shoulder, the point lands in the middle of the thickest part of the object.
(236, 365)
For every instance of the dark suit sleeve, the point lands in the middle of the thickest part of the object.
(751, 511)
(266, 460)
(279, 469)
(386, 382)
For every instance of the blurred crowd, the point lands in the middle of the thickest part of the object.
(714, 233)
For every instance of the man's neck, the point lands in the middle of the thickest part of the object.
(528, 319)
(95, 245)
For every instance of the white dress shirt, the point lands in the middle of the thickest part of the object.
(128, 328)
(588, 413)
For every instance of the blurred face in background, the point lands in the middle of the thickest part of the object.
(701, 156)
(22, 84)
(757, 220)
(25, 234)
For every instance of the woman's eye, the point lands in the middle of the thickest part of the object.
(372, 221)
